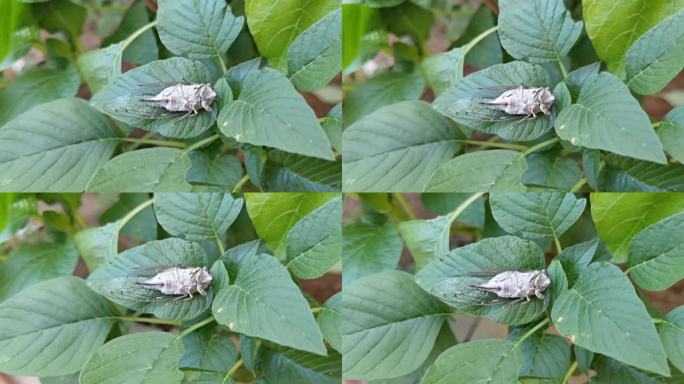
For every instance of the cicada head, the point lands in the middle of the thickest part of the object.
(207, 95)
(546, 99)
(203, 277)
(541, 280)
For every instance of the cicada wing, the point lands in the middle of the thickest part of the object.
(136, 107)
(476, 110)
(151, 89)
(130, 289)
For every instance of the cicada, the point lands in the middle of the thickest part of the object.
(158, 283)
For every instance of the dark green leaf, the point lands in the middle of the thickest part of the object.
(575, 259)
(144, 48)
(559, 280)
(543, 355)
(100, 66)
(444, 69)
(142, 226)
(486, 52)
(368, 250)
(408, 19)
(330, 321)
(288, 172)
(629, 175)
(611, 371)
(292, 366)
(207, 350)
(671, 332)
(443, 203)
(428, 240)
(551, 172)
(98, 245)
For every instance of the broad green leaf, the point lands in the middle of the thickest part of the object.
(35, 88)
(269, 111)
(264, 302)
(288, 172)
(584, 358)
(98, 245)
(486, 52)
(629, 175)
(607, 117)
(66, 379)
(197, 216)
(314, 243)
(120, 99)
(60, 15)
(428, 240)
(141, 226)
(100, 66)
(208, 350)
(612, 371)
(543, 355)
(671, 332)
(358, 21)
(537, 30)
(144, 48)
(315, 57)
(332, 125)
(498, 170)
(368, 250)
(273, 214)
(620, 217)
(535, 215)
(140, 358)
(549, 171)
(575, 258)
(408, 19)
(144, 170)
(657, 56)
(275, 24)
(389, 327)
(9, 21)
(442, 70)
(603, 314)
(579, 76)
(330, 321)
(52, 328)
(671, 133)
(249, 351)
(197, 29)
(118, 278)
(656, 258)
(443, 203)
(396, 148)
(591, 165)
(33, 263)
(559, 280)
(480, 361)
(6, 200)
(613, 27)
(58, 146)
(205, 377)
(380, 91)
(449, 277)
(291, 366)
(462, 102)
(220, 172)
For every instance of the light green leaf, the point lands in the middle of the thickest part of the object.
(117, 280)
(486, 361)
(613, 27)
(290, 366)
(140, 358)
(52, 328)
(671, 332)
(288, 172)
(396, 148)
(315, 57)
(536, 215)
(427, 240)
(498, 170)
(314, 243)
(120, 99)
(100, 66)
(390, 326)
(143, 170)
(98, 245)
(330, 321)
(657, 56)
(275, 24)
(197, 29)
(264, 302)
(537, 30)
(196, 215)
(603, 314)
(66, 379)
(10, 19)
(208, 350)
(273, 214)
(620, 217)
(656, 258)
(56, 147)
(269, 111)
(368, 250)
(358, 21)
(623, 174)
(444, 69)
(607, 117)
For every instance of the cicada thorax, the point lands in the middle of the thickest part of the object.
(517, 284)
(523, 101)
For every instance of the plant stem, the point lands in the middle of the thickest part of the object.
(559, 249)
(160, 143)
(658, 321)
(485, 144)
(579, 185)
(232, 370)
(148, 320)
(145, 136)
(464, 205)
(200, 144)
(571, 370)
(223, 64)
(137, 33)
(219, 243)
(405, 206)
(539, 146)
(241, 183)
(316, 309)
(195, 327)
(133, 212)
(479, 38)
(561, 66)
(530, 332)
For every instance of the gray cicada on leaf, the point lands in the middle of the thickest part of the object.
(504, 103)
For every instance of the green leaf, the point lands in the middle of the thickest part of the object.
(620, 217)
(220, 173)
(607, 117)
(368, 250)
(575, 259)
(274, 24)
(288, 172)
(52, 328)
(292, 366)
(494, 170)
(486, 52)
(66, 379)
(536, 215)
(140, 358)
(208, 351)
(264, 302)
(196, 216)
(332, 125)
(314, 243)
(315, 57)
(671, 133)
(9, 20)
(60, 15)
(144, 48)
(22, 40)
(249, 351)
(141, 226)
(197, 29)
(33, 263)
(459, 102)
(390, 326)
(603, 314)
(656, 258)
(551, 172)
(408, 19)
(443, 203)
(396, 148)
(428, 240)
(100, 66)
(486, 361)
(330, 321)
(143, 170)
(559, 280)
(543, 355)
(538, 30)
(35, 88)
(612, 371)
(122, 95)
(358, 21)
(274, 214)
(450, 276)
(657, 56)
(629, 175)
(584, 358)
(117, 279)
(671, 332)
(98, 245)
(56, 147)
(442, 70)
(269, 111)
(613, 27)
(6, 200)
